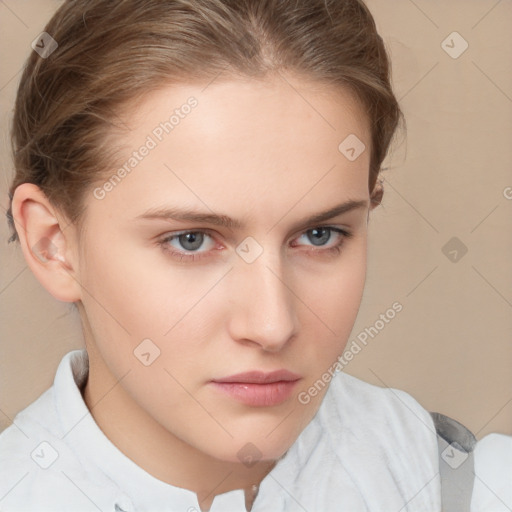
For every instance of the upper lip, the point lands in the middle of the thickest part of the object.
(259, 377)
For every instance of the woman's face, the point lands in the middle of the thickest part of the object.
(266, 290)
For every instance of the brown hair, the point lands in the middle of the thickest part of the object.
(113, 51)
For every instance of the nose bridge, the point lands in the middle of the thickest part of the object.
(264, 311)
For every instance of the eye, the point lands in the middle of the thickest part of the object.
(187, 240)
(187, 243)
(320, 235)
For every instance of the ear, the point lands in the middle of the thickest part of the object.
(376, 195)
(48, 242)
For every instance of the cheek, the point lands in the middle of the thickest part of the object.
(333, 299)
(149, 325)
(136, 294)
(334, 291)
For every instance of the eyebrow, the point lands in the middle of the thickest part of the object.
(189, 215)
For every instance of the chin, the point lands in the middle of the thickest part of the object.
(251, 448)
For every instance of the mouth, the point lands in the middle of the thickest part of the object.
(258, 389)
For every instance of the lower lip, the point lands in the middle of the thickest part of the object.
(258, 395)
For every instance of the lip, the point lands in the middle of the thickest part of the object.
(259, 377)
(257, 388)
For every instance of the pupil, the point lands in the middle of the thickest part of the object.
(191, 238)
(324, 236)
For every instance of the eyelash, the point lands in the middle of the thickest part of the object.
(164, 243)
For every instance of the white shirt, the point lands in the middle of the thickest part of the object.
(367, 449)
(492, 490)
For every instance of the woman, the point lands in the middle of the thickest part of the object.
(197, 178)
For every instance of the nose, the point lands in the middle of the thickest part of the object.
(263, 308)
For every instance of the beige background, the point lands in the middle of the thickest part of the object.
(450, 346)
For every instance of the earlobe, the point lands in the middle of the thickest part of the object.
(47, 248)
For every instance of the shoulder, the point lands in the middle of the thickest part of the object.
(35, 422)
(39, 470)
(390, 411)
(387, 434)
(29, 448)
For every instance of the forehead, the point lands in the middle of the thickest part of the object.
(238, 109)
(240, 141)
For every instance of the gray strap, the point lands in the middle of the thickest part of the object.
(456, 464)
